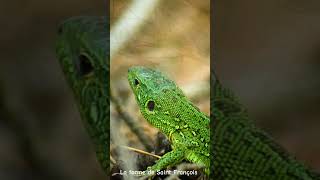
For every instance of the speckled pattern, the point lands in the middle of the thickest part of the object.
(163, 104)
(242, 151)
(82, 49)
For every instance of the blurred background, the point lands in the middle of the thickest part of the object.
(41, 135)
(175, 39)
(268, 53)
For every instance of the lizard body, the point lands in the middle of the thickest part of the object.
(163, 105)
(241, 150)
(83, 54)
(82, 49)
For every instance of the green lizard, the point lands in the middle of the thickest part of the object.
(240, 150)
(83, 51)
(163, 105)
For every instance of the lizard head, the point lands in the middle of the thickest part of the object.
(82, 50)
(157, 96)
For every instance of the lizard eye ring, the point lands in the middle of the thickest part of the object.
(150, 105)
(136, 82)
(84, 65)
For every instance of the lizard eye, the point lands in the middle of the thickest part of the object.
(136, 82)
(84, 65)
(150, 105)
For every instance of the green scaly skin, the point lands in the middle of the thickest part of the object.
(163, 105)
(82, 49)
(241, 151)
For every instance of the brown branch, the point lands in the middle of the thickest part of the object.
(132, 124)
